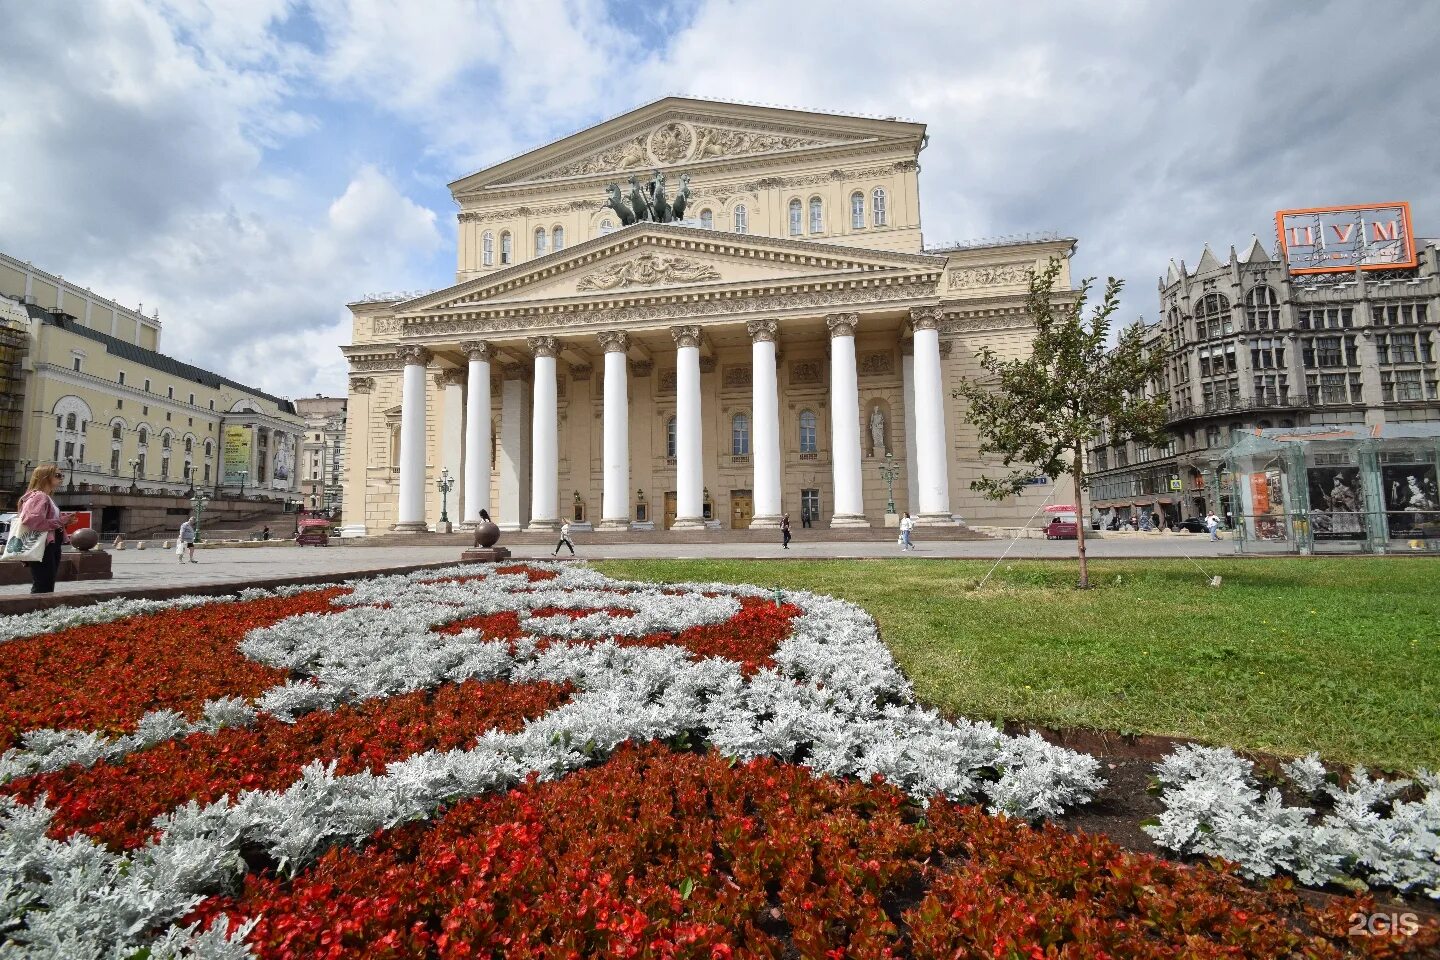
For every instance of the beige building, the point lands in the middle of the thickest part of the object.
(100, 400)
(322, 451)
(767, 354)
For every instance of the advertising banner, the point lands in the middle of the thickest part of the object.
(235, 462)
(1340, 239)
(1337, 503)
(1412, 501)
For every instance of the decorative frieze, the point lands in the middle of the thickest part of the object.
(736, 378)
(990, 275)
(807, 371)
(708, 364)
(375, 363)
(641, 368)
(582, 371)
(677, 142)
(668, 380)
(648, 270)
(362, 384)
(877, 364)
(384, 326)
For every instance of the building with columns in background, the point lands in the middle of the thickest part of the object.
(788, 345)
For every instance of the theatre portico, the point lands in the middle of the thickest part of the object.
(723, 370)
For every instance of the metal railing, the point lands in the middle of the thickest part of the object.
(1220, 406)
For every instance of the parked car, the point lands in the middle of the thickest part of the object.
(1061, 528)
(5, 520)
(1191, 525)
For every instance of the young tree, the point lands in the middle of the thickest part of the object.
(1039, 412)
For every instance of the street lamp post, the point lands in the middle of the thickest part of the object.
(70, 475)
(243, 474)
(445, 484)
(134, 476)
(199, 500)
(888, 473)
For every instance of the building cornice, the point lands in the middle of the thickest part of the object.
(78, 378)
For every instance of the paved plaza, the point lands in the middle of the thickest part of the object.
(156, 567)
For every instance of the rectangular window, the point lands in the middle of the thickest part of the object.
(212, 404)
(77, 364)
(170, 393)
(192, 399)
(147, 385)
(121, 381)
(119, 404)
(114, 463)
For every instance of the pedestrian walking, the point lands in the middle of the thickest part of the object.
(1212, 523)
(564, 540)
(185, 542)
(785, 531)
(39, 514)
(906, 525)
(265, 534)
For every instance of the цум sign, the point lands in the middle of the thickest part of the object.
(1340, 239)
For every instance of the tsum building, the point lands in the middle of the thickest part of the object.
(787, 344)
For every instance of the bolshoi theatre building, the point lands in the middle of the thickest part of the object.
(697, 314)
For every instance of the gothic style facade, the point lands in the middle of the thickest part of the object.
(788, 346)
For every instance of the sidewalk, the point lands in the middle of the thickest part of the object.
(144, 569)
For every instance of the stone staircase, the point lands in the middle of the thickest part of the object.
(610, 538)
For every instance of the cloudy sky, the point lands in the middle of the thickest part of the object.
(248, 166)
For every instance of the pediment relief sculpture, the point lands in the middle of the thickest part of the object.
(648, 270)
(676, 142)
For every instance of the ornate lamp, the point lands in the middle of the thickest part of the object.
(888, 473)
(445, 484)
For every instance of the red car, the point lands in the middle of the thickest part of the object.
(1061, 528)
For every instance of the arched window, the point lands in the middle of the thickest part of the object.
(144, 437)
(507, 248)
(742, 219)
(557, 235)
(740, 435)
(879, 213)
(539, 241)
(795, 217)
(209, 449)
(1213, 317)
(487, 249)
(165, 443)
(670, 437)
(817, 215)
(707, 219)
(606, 226)
(116, 429)
(70, 421)
(857, 211)
(1262, 309)
(808, 422)
(189, 446)
(140, 464)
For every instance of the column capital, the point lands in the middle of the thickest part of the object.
(926, 318)
(762, 331)
(362, 384)
(414, 353)
(842, 324)
(614, 341)
(543, 346)
(475, 349)
(686, 336)
(451, 377)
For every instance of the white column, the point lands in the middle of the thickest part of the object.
(689, 471)
(907, 382)
(544, 439)
(765, 420)
(615, 492)
(514, 450)
(931, 463)
(845, 422)
(477, 433)
(410, 517)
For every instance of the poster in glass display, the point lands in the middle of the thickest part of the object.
(1412, 505)
(1337, 503)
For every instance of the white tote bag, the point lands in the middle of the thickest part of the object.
(25, 545)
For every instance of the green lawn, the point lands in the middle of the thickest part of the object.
(1287, 656)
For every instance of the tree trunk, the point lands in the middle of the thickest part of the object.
(1077, 474)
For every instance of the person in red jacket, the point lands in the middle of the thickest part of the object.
(39, 512)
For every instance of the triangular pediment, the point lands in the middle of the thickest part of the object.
(676, 132)
(647, 257)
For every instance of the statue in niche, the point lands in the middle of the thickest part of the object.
(877, 432)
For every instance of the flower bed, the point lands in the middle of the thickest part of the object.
(380, 729)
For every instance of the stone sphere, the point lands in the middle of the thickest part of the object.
(84, 539)
(486, 534)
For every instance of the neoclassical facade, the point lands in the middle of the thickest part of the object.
(789, 346)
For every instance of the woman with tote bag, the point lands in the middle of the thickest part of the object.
(40, 520)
